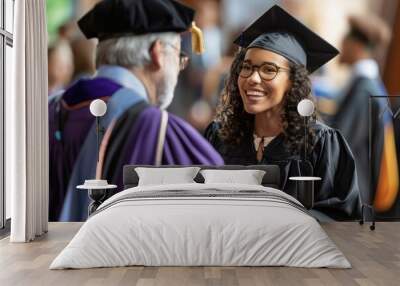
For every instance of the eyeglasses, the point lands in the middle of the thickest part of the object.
(183, 57)
(267, 71)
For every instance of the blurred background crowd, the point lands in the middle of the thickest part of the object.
(71, 56)
(374, 23)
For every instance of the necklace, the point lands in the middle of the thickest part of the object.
(260, 143)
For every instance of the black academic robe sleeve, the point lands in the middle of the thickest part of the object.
(211, 134)
(337, 194)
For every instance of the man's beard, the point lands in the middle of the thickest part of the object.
(165, 91)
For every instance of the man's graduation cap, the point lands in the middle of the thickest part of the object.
(116, 18)
(281, 33)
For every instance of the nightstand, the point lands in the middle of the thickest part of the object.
(97, 190)
(305, 190)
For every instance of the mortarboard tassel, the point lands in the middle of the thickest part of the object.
(197, 39)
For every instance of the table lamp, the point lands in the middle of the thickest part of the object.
(98, 108)
(305, 184)
(306, 109)
(97, 187)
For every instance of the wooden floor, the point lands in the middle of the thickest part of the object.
(374, 255)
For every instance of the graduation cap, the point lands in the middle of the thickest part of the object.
(281, 33)
(116, 18)
(371, 31)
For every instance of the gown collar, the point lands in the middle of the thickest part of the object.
(124, 77)
(257, 140)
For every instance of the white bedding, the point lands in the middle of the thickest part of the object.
(185, 230)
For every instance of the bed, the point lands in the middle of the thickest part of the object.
(201, 224)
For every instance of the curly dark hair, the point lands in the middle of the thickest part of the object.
(236, 124)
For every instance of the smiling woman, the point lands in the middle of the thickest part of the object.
(257, 120)
(270, 96)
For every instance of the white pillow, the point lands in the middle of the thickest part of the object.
(163, 176)
(248, 177)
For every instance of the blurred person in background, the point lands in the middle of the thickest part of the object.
(138, 58)
(324, 91)
(67, 31)
(58, 13)
(366, 37)
(203, 110)
(62, 59)
(83, 50)
(208, 19)
(60, 66)
(84, 58)
(190, 87)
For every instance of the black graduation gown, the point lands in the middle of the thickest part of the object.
(336, 195)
